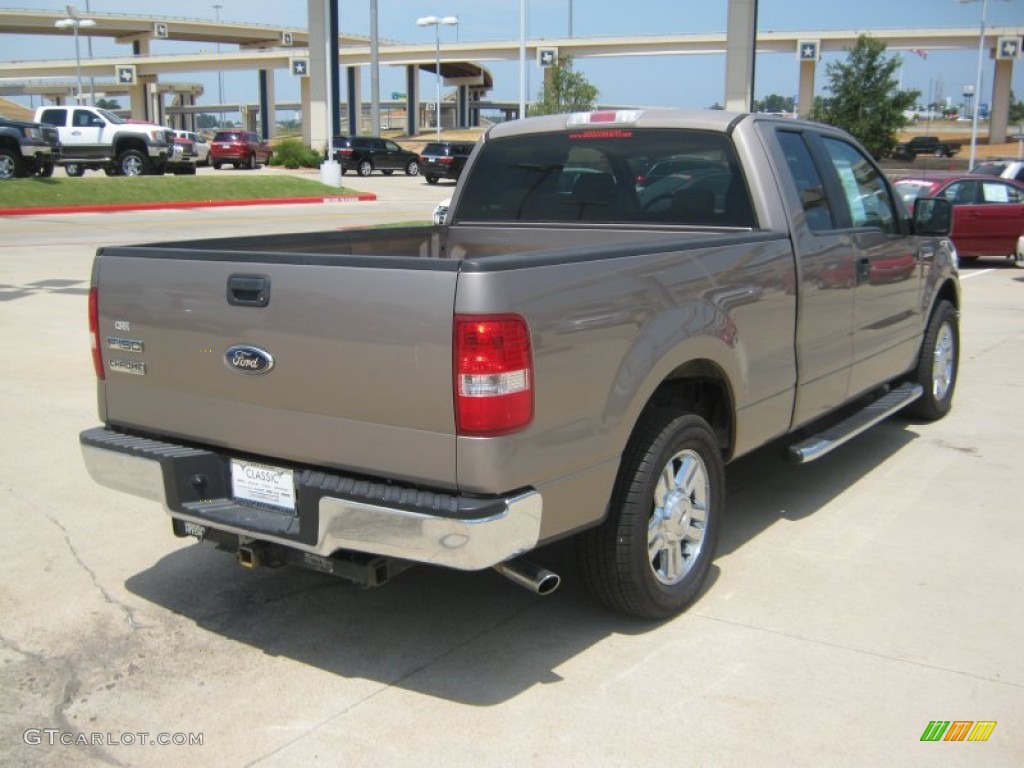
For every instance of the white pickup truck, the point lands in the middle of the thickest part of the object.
(96, 139)
(577, 352)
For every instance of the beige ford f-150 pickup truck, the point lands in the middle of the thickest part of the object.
(577, 352)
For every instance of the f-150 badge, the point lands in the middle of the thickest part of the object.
(250, 360)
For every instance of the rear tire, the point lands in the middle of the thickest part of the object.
(253, 165)
(216, 165)
(365, 168)
(45, 171)
(431, 179)
(653, 552)
(938, 364)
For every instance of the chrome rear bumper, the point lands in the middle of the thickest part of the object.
(335, 512)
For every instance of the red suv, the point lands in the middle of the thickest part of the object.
(240, 148)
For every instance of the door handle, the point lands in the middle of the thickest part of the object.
(248, 290)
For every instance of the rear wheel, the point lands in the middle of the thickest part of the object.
(253, 165)
(431, 179)
(938, 364)
(365, 168)
(653, 552)
(216, 165)
(45, 171)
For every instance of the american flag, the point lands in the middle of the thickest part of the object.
(920, 52)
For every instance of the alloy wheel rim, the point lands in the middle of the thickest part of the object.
(678, 522)
(942, 362)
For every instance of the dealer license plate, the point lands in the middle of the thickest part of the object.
(263, 485)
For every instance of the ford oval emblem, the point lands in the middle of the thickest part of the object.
(247, 359)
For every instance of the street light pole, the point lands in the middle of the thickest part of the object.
(436, 22)
(977, 88)
(74, 21)
(220, 75)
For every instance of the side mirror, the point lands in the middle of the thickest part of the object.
(933, 216)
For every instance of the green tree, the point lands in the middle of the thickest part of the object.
(865, 98)
(110, 104)
(1016, 110)
(564, 91)
(775, 103)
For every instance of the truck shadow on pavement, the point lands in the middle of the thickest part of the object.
(473, 638)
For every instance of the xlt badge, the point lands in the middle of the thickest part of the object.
(248, 359)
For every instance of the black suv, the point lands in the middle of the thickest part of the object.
(366, 154)
(444, 159)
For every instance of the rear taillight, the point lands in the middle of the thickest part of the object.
(345, 152)
(446, 160)
(94, 332)
(493, 371)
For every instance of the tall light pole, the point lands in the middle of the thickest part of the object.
(220, 74)
(75, 22)
(436, 22)
(977, 84)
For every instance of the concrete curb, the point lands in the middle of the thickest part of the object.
(179, 204)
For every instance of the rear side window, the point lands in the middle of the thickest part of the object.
(57, 117)
(807, 180)
(597, 176)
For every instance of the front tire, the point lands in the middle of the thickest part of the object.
(938, 364)
(132, 163)
(653, 552)
(253, 165)
(74, 170)
(412, 169)
(12, 166)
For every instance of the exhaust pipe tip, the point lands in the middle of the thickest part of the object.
(529, 575)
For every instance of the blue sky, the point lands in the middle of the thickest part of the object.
(685, 81)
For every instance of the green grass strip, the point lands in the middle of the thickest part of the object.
(121, 190)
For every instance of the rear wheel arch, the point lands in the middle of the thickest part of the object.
(702, 388)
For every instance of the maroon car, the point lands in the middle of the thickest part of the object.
(243, 149)
(988, 213)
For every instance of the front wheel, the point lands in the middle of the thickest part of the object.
(412, 169)
(11, 164)
(253, 165)
(74, 170)
(938, 364)
(45, 171)
(653, 552)
(132, 163)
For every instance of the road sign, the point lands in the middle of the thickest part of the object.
(547, 57)
(286, 38)
(160, 30)
(807, 50)
(125, 74)
(300, 67)
(1008, 48)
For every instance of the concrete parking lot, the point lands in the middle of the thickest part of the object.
(853, 601)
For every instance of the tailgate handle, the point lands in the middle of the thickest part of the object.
(249, 290)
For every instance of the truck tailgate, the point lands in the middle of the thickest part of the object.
(348, 363)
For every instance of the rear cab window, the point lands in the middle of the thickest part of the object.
(598, 176)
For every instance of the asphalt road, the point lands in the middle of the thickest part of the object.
(853, 600)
